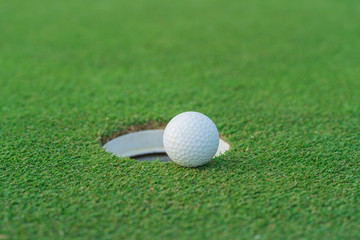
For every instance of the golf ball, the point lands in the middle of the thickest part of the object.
(191, 139)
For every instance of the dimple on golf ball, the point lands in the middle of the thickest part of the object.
(191, 139)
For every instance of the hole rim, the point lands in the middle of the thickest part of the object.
(121, 145)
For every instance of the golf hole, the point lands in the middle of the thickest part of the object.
(146, 145)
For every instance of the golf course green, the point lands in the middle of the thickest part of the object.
(280, 79)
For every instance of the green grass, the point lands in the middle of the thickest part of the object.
(279, 78)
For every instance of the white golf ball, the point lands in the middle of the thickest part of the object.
(191, 139)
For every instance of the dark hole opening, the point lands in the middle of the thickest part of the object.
(163, 157)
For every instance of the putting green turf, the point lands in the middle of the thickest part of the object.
(280, 79)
